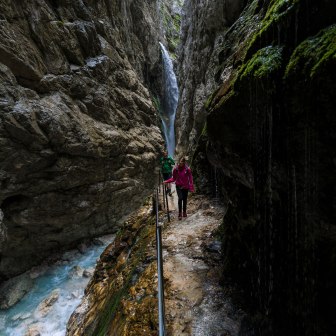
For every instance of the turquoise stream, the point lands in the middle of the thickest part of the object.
(62, 277)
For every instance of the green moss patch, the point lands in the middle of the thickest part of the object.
(278, 13)
(171, 25)
(119, 290)
(314, 53)
(263, 63)
(278, 10)
(121, 295)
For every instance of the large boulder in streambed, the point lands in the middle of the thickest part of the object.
(46, 305)
(14, 290)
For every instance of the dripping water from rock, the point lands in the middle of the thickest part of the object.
(216, 195)
(170, 100)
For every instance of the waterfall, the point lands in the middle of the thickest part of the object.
(170, 100)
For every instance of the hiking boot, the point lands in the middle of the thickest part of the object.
(185, 214)
(180, 216)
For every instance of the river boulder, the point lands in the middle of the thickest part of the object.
(14, 289)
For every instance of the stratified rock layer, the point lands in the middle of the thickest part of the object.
(78, 134)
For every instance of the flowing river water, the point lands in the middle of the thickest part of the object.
(56, 292)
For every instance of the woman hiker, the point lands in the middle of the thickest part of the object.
(167, 164)
(184, 182)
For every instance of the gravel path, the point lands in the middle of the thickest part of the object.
(196, 304)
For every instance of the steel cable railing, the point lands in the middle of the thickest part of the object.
(166, 201)
(164, 196)
(159, 269)
(161, 304)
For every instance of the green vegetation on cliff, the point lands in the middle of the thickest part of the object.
(121, 296)
(271, 123)
(171, 21)
(128, 291)
(278, 15)
(264, 62)
(278, 10)
(314, 53)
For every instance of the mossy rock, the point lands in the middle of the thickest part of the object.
(124, 283)
(277, 11)
(313, 54)
(263, 63)
(171, 25)
(278, 16)
(122, 278)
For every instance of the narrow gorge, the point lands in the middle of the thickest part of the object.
(91, 94)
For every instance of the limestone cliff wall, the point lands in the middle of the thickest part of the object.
(78, 130)
(170, 20)
(268, 132)
(204, 24)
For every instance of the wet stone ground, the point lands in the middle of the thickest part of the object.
(196, 304)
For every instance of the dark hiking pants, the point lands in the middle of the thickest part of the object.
(182, 198)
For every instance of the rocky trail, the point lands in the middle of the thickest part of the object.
(195, 302)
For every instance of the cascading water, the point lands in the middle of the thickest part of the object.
(63, 278)
(170, 101)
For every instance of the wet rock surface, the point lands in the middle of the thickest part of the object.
(121, 296)
(204, 30)
(46, 305)
(33, 330)
(78, 130)
(14, 289)
(170, 20)
(267, 146)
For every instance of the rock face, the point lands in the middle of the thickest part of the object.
(270, 136)
(204, 24)
(170, 19)
(78, 134)
(120, 298)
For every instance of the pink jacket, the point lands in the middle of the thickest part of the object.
(182, 178)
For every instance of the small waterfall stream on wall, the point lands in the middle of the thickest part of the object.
(170, 101)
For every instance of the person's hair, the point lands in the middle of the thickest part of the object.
(182, 159)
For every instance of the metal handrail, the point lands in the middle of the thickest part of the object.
(166, 200)
(160, 179)
(159, 252)
(159, 268)
(164, 196)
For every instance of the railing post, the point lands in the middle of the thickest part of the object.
(160, 271)
(164, 196)
(160, 181)
(166, 200)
